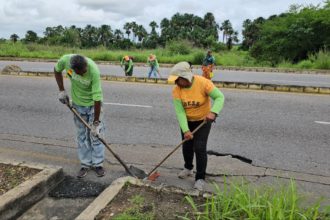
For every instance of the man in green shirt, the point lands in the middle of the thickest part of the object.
(87, 97)
(154, 66)
(127, 61)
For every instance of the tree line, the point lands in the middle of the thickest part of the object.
(291, 36)
(200, 31)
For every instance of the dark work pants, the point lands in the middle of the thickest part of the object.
(130, 73)
(198, 146)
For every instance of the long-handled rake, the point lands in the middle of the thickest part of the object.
(153, 175)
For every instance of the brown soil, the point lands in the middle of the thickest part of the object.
(11, 69)
(147, 203)
(11, 176)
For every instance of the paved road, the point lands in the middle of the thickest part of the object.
(223, 75)
(279, 130)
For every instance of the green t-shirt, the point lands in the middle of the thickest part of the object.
(85, 89)
(153, 63)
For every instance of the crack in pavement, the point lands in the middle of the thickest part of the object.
(272, 172)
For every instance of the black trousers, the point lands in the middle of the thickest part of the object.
(198, 146)
(130, 73)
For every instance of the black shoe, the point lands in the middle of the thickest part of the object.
(82, 172)
(99, 171)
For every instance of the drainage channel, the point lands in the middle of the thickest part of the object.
(66, 201)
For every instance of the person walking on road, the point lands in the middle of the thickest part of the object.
(87, 97)
(208, 65)
(191, 98)
(127, 62)
(154, 66)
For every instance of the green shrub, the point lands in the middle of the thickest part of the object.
(198, 58)
(305, 64)
(179, 47)
(285, 64)
(321, 60)
(218, 46)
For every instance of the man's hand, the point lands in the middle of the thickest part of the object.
(63, 97)
(96, 128)
(211, 117)
(188, 135)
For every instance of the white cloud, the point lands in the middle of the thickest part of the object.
(18, 16)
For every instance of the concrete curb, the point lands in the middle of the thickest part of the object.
(17, 200)
(168, 65)
(105, 197)
(111, 192)
(219, 84)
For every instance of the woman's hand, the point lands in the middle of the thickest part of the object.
(210, 117)
(188, 135)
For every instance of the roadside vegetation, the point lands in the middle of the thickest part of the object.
(297, 38)
(238, 201)
(234, 57)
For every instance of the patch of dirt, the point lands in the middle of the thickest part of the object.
(11, 69)
(11, 176)
(135, 202)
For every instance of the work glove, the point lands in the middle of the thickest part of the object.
(96, 128)
(63, 97)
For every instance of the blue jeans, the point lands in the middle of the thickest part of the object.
(90, 149)
(153, 70)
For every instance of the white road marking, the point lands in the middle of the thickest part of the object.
(323, 122)
(129, 105)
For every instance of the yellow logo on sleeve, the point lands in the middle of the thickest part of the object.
(69, 72)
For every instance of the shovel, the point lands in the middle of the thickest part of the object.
(133, 171)
(152, 176)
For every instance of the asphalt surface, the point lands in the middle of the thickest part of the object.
(277, 130)
(220, 75)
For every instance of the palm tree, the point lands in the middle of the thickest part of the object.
(232, 37)
(14, 37)
(89, 36)
(118, 34)
(153, 26)
(141, 32)
(105, 34)
(134, 29)
(127, 28)
(225, 27)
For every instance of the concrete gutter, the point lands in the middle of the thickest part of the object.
(219, 84)
(168, 65)
(17, 200)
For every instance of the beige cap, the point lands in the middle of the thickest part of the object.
(181, 69)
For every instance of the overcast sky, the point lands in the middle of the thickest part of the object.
(19, 16)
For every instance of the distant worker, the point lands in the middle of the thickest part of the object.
(208, 65)
(127, 62)
(154, 66)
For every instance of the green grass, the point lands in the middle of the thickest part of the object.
(135, 212)
(238, 201)
(196, 55)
